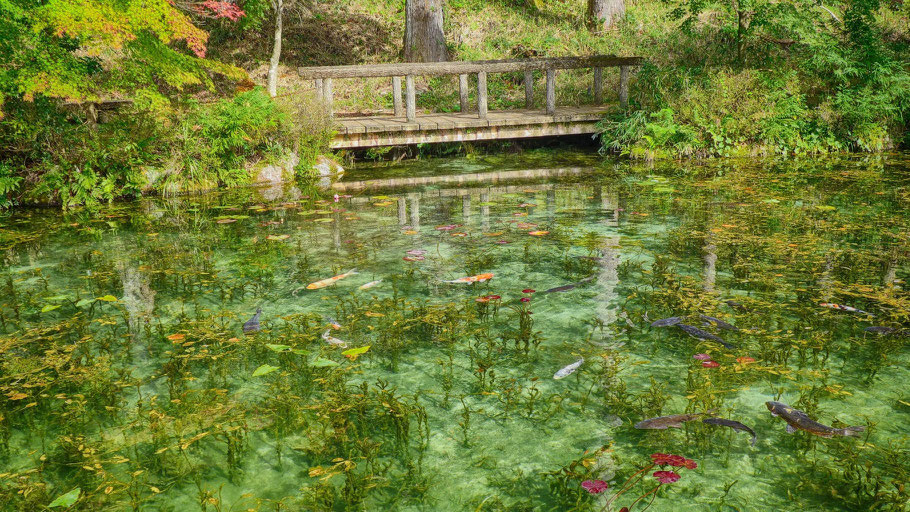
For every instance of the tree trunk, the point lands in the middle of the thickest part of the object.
(278, 5)
(604, 14)
(424, 39)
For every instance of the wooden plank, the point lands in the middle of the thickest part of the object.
(396, 96)
(482, 95)
(463, 92)
(466, 67)
(551, 91)
(410, 100)
(352, 126)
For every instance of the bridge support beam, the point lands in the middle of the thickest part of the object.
(529, 89)
(396, 96)
(482, 94)
(463, 92)
(551, 91)
(598, 86)
(327, 94)
(410, 99)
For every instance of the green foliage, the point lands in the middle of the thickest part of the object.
(9, 184)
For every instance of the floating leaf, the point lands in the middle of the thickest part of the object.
(225, 221)
(264, 370)
(321, 362)
(373, 315)
(84, 302)
(300, 352)
(16, 395)
(278, 237)
(66, 500)
(353, 353)
(176, 337)
(107, 298)
(383, 203)
(538, 233)
(277, 348)
(49, 307)
(323, 219)
(825, 208)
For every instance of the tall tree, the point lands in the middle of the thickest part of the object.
(424, 38)
(604, 14)
(278, 6)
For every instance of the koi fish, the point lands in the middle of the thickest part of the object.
(332, 280)
(841, 307)
(671, 421)
(370, 284)
(719, 323)
(333, 323)
(568, 370)
(479, 278)
(735, 425)
(252, 325)
(333, 341)
(567, 287)
(798, 420)
(703, 335)
(667, 322)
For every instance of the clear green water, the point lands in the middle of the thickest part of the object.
(125, 372)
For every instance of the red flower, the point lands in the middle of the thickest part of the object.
(662, 459)
(482, 299)
(525, 299)
(690, 464)
(666, 477)
(595, 486)
(493, 297)
(710, 364)
(528, 290)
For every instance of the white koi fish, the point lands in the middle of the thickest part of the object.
(332, 340)
(370, 284)
(568, 370)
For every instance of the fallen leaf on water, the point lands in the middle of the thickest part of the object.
(264, 370)
(353, 353)
(538, 233)
(176, 337)
(409, 232)
(16, 395)
(108, 298)
(373, 315)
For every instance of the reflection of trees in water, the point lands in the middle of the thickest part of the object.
(138, 300)
(710, 257)
(608, 276)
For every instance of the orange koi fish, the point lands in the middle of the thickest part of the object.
(479, 278)
(332, 280)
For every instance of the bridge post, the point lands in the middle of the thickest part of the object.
(396, 96)
(529, 89)
(598, 86)
(482, 94)
(551, 91)
(318, 82)
(463, 92)
(327, 94)
(410, 100)
(624, 86)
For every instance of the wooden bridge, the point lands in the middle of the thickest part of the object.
(405, 127)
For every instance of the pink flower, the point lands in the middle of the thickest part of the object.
(663, 459)
(335, 197)
(493, 297)
(702, 357)
(595, 486)
(710, 364)
(690, 464)
(666, 477)
(525, 299)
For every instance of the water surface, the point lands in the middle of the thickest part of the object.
(126, 375)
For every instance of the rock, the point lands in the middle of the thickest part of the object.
(327, 170)
(276, 172)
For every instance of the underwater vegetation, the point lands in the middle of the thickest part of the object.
(618, 340)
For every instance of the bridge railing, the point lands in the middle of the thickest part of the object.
(323, 76)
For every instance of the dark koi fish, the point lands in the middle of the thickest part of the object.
(735, 425)
(719, 323)
(798, 420)
(739, 307)
(671, 421)
(567, 287)
(667, 322)
(704, 335)
(252, 325)
(841, 307)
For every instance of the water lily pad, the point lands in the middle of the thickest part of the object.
(321, 362)
(278, 348)
(107, 298)
(66, 500)
(49, 307)
(264, 370)
(354, 353)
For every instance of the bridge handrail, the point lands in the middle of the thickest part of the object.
(323, 76)
(465, 67)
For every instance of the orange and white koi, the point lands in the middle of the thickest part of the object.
(479, 278)
(841, 307)
(332, 340)
(332, 280)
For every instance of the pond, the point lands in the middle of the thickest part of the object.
(415, 318)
